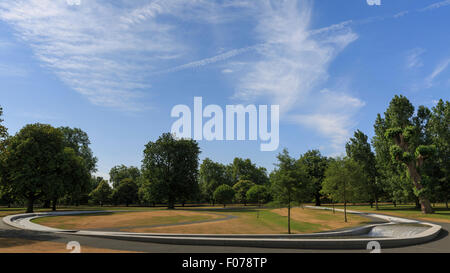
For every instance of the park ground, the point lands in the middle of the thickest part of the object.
(216, 220)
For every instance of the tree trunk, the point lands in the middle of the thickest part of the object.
(30, 205)
(289, 213)
(317, 198)
(345, 202)
(376, 202)
(395, 204)
(417, 203)
(446, 203)
(54, 204)
(425, 205)
(345, 211)
(46, 204)
(170, 203)
(371, 204)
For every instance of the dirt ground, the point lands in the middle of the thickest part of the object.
(133, 219)
(249, 224)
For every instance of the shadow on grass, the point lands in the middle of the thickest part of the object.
(239, 209)
(20, 237)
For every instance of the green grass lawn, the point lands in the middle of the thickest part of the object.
(441, 213)
(72, 222)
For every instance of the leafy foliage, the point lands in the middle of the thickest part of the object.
(224, 194)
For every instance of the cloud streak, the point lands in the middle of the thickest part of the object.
(102, 58)
(429, 81)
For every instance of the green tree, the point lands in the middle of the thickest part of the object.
(258, 194)
(102, 194)
(126, 192)
(344, 182)
(5, 189)
(172, 166)
(390, 174)
(314, 165)
(244, 169)
(150, 193)
(241, 189)
(224, 195)
(358, 149)
(72, 177)
(32, 160)
(408, 143)
(78, 140)
(120, 172)
(289, 183)
(439, 134)
(3, 130)
(212, 175)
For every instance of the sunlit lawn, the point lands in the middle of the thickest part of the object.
(441, 213)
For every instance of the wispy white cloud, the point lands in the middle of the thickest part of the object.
(211, 60)
(413, 58)
(105, 59)
(334, 117)
(227, 71)
(430, 80)
(436, 5)
(293, 63)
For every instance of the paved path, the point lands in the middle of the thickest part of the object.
(439, 245)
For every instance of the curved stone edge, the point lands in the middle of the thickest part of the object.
(245, 240)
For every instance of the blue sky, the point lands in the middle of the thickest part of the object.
(116, 68)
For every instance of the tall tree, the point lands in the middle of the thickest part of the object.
(358, 149)
(390, 174)
(72, 177)
(408, 143)
(258, 194)
(241, 189)
(314, 165)
(3, 129)
(172, 165)
(212, 175)
(78, 140)
(344, 182)
(150, 193)
(439, 134)
(289, 183)
(5, 190)
(120, 172)
(224, 194)
(102, 194)
(244, 169)
(126, 192)
(32, 161)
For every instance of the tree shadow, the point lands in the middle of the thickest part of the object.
(21, 238)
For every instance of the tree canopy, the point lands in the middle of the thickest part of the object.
(172, 166)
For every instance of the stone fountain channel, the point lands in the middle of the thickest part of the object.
(391, 232)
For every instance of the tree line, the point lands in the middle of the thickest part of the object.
(407, 160)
